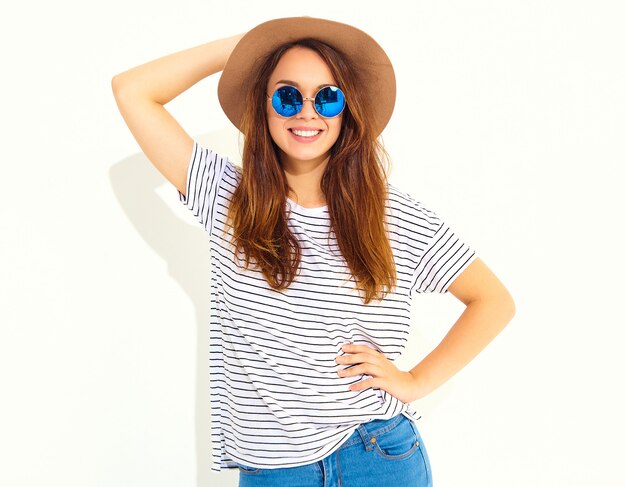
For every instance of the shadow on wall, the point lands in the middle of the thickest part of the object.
(182, 246)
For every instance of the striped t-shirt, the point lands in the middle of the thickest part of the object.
(276, 399)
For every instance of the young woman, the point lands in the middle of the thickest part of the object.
(315, 256)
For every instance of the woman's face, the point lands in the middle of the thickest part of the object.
(306, 70)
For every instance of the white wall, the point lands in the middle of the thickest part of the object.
(509, 122)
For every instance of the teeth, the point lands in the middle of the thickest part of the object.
(306, 133)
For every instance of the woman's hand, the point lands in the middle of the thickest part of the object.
(385, 375)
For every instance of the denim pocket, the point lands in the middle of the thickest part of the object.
(399, 442)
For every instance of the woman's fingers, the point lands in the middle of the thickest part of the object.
(383, 372)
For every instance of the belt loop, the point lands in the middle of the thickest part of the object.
(414, 426)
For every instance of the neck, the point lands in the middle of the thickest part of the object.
(304, 180)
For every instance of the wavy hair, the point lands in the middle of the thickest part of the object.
(354, 183)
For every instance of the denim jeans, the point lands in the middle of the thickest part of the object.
(382, 452)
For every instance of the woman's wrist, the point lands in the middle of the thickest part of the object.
(420, 387)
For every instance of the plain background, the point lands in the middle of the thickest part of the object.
(509, 123)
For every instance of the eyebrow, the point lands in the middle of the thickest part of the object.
(289, 82)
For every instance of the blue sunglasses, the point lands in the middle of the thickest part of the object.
(328, 102)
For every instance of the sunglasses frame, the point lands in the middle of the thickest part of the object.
(304, 98)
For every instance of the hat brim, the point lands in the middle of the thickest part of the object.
(364, 52)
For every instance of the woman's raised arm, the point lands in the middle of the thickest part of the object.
(141, 92)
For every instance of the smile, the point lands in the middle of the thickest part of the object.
(305, 135)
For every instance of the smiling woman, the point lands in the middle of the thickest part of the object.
(311, 248)
(322, 153)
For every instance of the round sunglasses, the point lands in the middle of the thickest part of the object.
(329, 101)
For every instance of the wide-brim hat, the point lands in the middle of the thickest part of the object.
(364, 52)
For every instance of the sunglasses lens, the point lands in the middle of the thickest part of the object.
(330, 101)
(287, 101)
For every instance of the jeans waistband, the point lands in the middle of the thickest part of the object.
(366, 431)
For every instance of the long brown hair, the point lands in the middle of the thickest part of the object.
(354, 184)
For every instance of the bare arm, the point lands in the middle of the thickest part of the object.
(141, 92)
(489, 308)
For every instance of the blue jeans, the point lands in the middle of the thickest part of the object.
(379, 453)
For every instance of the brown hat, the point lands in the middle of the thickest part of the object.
(364, 52)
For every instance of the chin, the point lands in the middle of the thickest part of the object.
(308, 156)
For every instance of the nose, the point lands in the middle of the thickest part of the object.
(308, 110)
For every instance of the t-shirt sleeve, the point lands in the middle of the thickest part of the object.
(442, 254)
(205, 172)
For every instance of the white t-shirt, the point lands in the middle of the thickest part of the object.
(276, 398)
